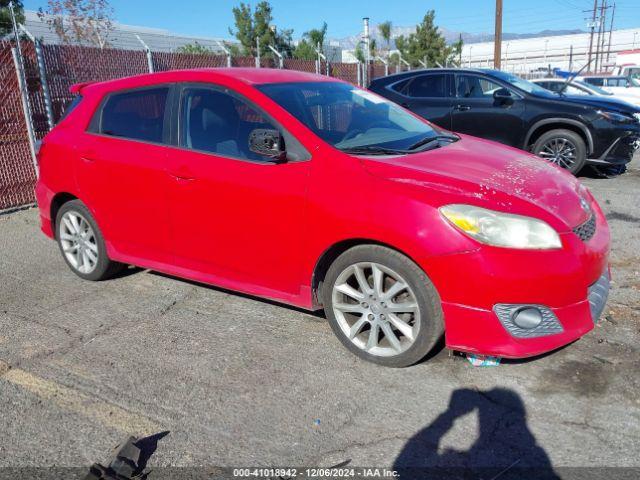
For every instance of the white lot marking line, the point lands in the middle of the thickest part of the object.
(106, 413)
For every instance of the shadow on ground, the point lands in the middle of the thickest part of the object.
(505, 448)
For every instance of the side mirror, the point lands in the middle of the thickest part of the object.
(502, 95)
(268, 143)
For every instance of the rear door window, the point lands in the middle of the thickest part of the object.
(135, 115)
(428, 86)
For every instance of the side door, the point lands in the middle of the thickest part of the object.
(122, 172)
(237, 218)
(428, 95)
(477, 112)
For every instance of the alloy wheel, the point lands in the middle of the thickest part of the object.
(560, 151)
(78, 242)
(376, 309)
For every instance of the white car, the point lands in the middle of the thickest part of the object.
(626, 87)
(580, 87)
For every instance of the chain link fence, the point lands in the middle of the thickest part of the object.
(17, 174)
(50, 70)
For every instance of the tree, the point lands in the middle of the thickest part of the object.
(373, 48)
(195, 49)
(384, 29)
(306, 48)
(455, 55)
(359, 54)
(427, 44)
(87, 22)
(317, 36)
(6, 25)
(252, 25)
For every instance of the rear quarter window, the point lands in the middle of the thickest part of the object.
(135, 115)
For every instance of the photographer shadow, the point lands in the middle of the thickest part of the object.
(505, 448)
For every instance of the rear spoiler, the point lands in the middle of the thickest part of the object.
(76, 88)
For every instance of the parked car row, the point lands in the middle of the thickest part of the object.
(580, 87)
(313, 192)
(569, 130)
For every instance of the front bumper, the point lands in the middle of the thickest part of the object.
(569, 282)
(479, 331)
(620, 151)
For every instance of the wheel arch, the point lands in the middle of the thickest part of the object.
(543, 126)
(58, 200)
(329, 255)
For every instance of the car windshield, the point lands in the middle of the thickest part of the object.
(520, 83)
(595, 88)
(350, 118)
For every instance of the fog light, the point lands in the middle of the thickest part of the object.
(527, 318)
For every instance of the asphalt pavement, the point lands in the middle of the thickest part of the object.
(243, 382)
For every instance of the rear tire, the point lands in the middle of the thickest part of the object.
(390, 314)
(564, 148)
(82, 244)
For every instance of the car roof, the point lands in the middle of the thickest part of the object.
(249, 76)
(410, 73)
(605, 76)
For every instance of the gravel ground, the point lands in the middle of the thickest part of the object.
(244, 382)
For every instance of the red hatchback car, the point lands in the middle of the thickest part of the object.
(316, 193)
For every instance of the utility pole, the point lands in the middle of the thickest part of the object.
(599, 38)
(497, 47)
(367, 53)
(613, 12)
(257, 52)
(604, 32)
(593, 26)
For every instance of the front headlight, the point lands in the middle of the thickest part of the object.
(615, 117)
(501, 229)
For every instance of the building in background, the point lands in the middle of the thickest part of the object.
(124, 36)
(524, 56)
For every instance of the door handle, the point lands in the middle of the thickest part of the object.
(462, 108)
(182, 177)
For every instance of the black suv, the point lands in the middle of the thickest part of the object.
(569, 130)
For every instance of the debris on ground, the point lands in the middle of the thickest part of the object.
(483, 360)
(128, 460)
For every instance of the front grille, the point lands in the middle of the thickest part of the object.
(587, 229)
(598, 294)
(549, 325)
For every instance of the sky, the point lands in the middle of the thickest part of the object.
(212, 18)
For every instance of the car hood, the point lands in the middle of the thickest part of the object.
(600, 102)
(490, 175)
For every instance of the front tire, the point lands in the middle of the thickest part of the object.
(382, 306)
(81, 243)
(562, 147)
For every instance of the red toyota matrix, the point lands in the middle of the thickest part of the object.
(313, 192)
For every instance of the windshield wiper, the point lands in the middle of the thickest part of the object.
(373, 150)
(428, 142)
